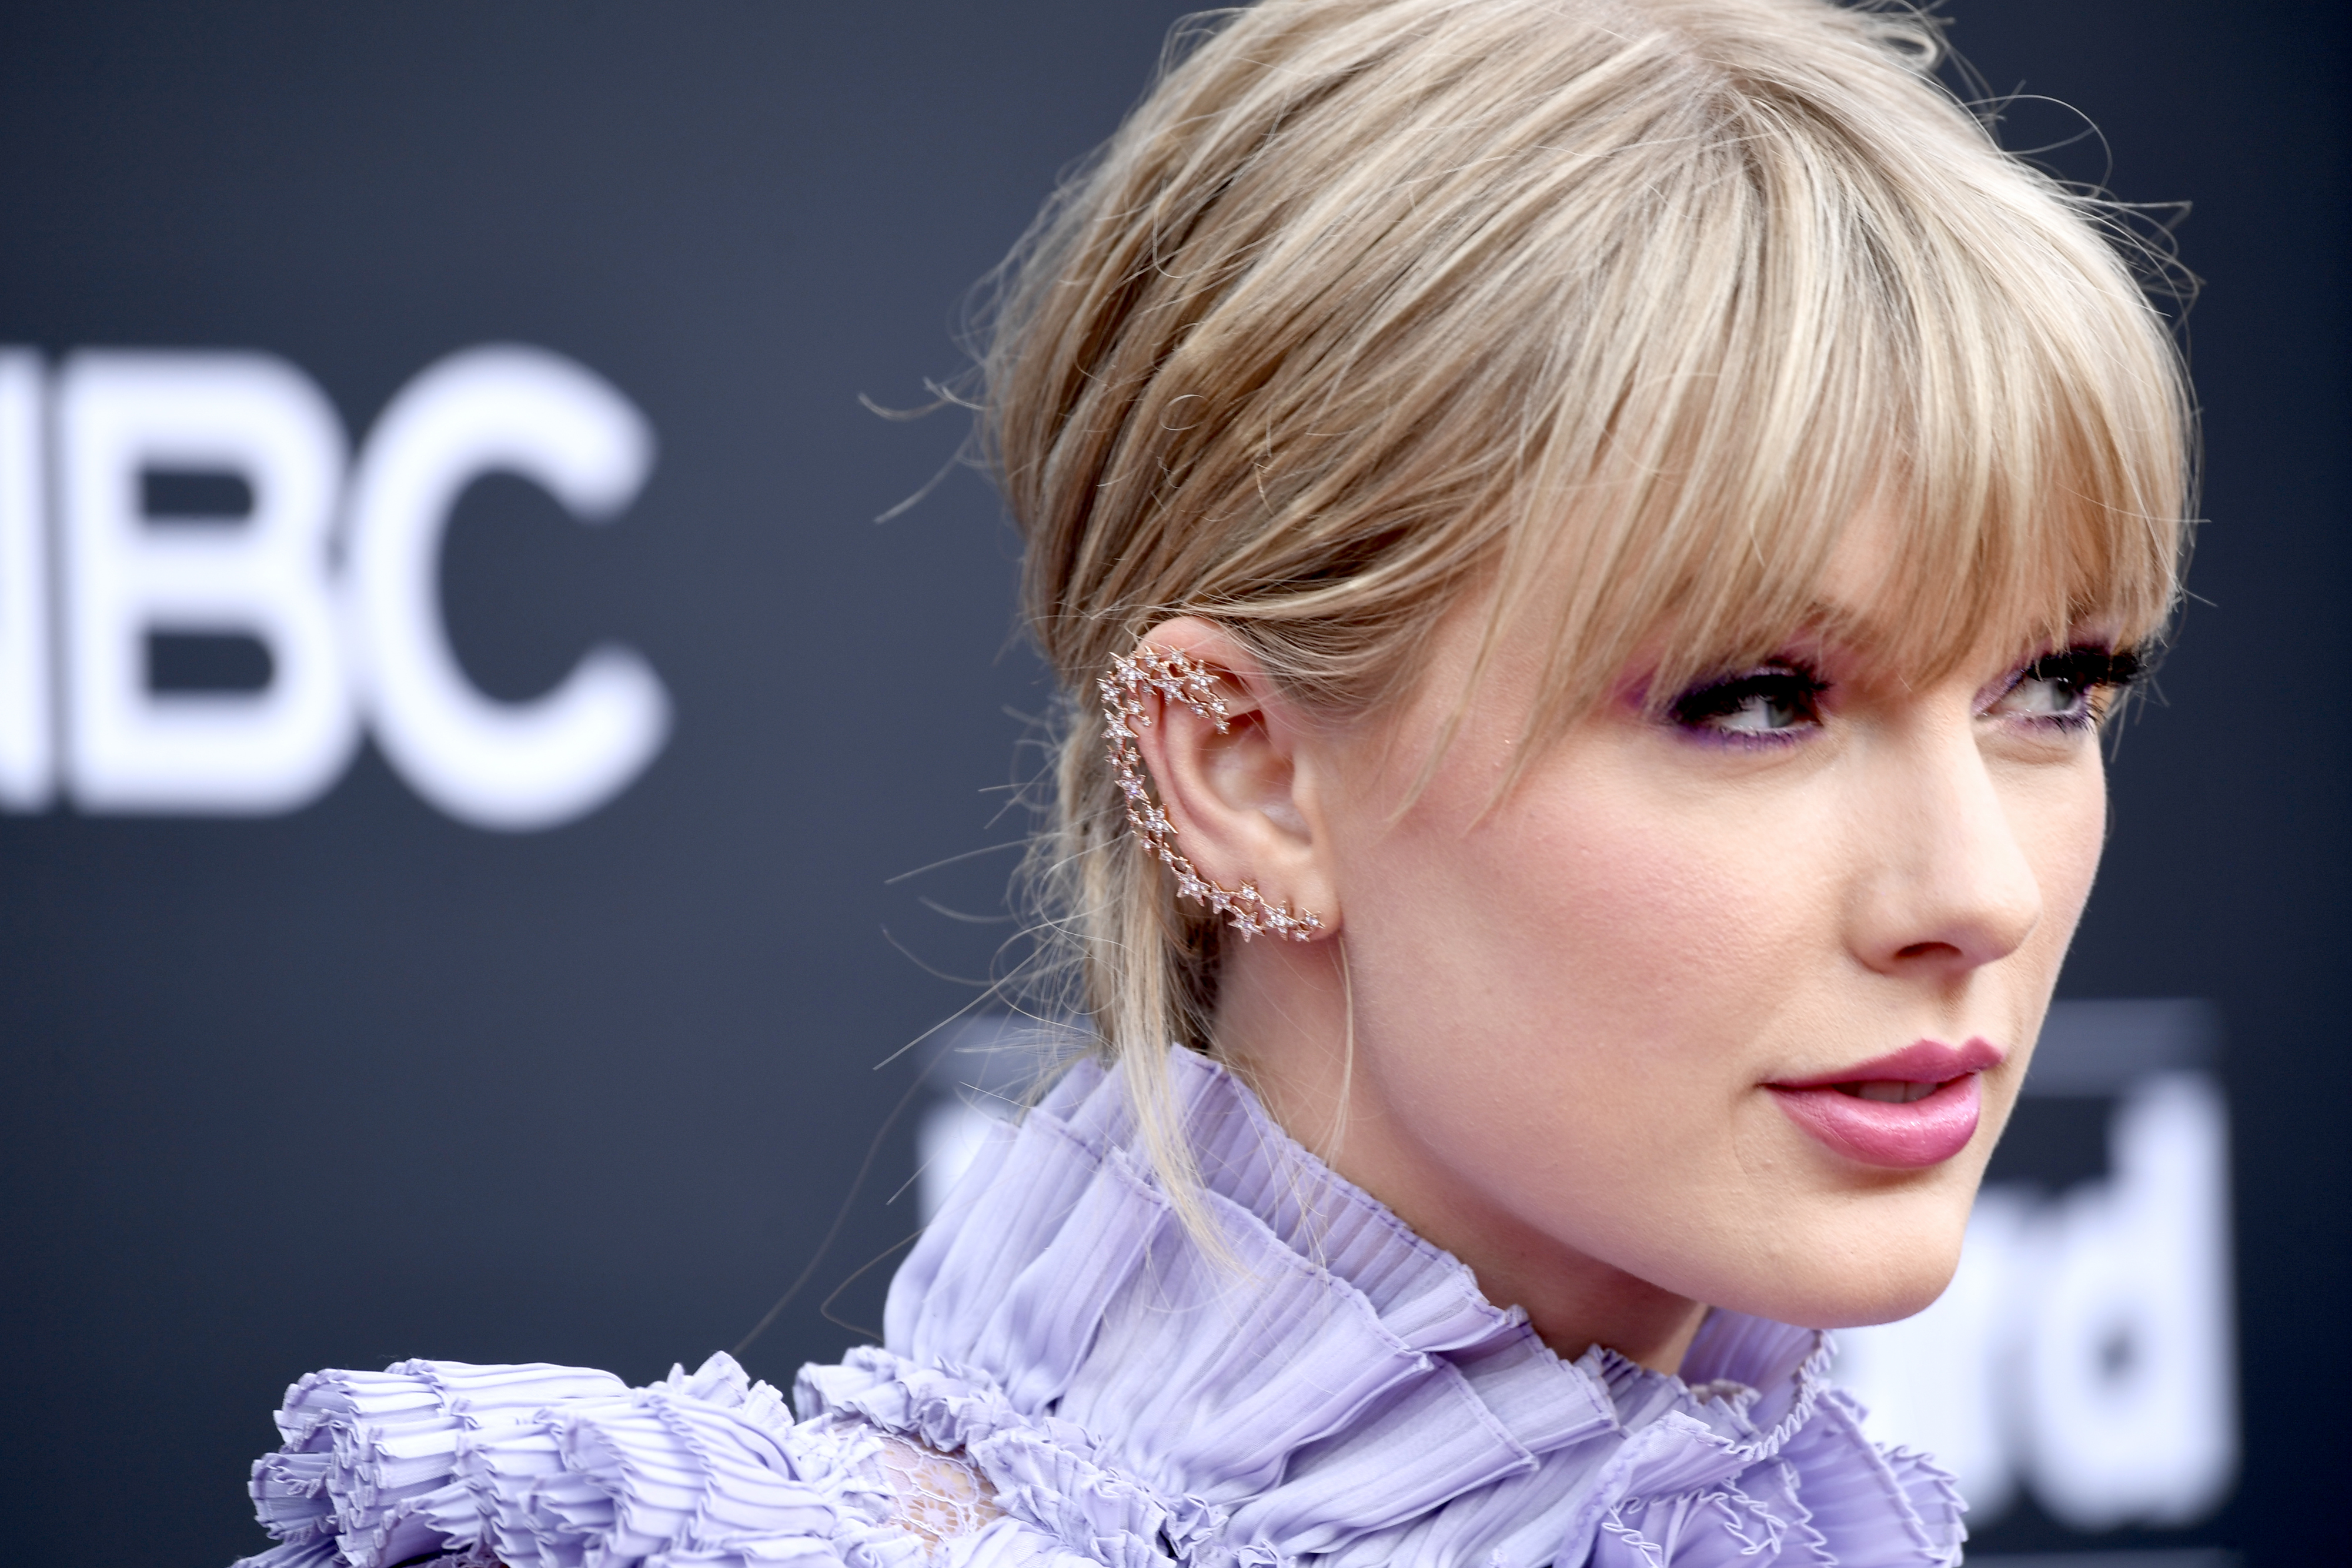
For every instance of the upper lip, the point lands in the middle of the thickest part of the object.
(1921, 1062)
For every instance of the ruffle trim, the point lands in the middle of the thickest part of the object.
(548, 1467)
(1050, 1476)
(1349, 1398)
(1349, 1401)
(1676, 1492)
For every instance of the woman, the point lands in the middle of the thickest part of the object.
(1602, 533)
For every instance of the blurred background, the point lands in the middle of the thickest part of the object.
(543, 994)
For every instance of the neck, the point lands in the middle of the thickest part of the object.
(1283, 1022)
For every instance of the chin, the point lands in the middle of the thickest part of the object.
(1835, 1279)
(1899, 1294)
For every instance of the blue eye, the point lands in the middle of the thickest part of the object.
(1774, 703)
(2068, 690)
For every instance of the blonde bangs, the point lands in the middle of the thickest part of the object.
(1824, 330)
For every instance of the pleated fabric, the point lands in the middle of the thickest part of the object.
(1331, 1392)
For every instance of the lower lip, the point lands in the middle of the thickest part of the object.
(1903, 1137)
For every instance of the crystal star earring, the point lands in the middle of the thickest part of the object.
(1178, 677)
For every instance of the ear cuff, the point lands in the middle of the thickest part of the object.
(1178, 677)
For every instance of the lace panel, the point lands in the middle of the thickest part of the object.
(940, 1496)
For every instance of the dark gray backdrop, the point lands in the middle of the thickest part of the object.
(359, 1083)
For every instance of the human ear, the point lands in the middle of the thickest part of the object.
(1241, 800)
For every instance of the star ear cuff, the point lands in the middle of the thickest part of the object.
(1178, 677)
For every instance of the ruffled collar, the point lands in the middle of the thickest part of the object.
(1336, 1391)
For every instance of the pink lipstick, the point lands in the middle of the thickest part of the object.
(1908, 1110)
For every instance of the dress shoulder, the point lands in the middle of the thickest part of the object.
(538, 1466)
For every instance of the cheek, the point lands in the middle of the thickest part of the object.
(1653, 918)
(1598, 957)
(2060, 818)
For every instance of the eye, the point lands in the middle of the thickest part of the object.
(1774, 703)
(2068, 690)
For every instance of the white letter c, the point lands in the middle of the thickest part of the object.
(492, 764)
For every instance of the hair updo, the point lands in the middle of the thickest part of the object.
(1372, 304)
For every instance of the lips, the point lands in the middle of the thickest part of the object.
(1907, 1110)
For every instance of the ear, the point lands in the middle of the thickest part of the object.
(1245, 804)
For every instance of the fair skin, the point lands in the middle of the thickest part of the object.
(1572, 1002)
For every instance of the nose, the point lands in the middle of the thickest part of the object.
(1945, 886)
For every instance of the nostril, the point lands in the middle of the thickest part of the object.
(1927, 950)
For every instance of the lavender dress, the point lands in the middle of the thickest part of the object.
(1067, 1380)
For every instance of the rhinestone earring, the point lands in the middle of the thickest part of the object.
(1178, 677)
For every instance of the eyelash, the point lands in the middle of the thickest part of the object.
(1791, 688)
(2087, 673)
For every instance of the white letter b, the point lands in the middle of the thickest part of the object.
(121, 416)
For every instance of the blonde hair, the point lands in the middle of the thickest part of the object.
(1370, 302)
